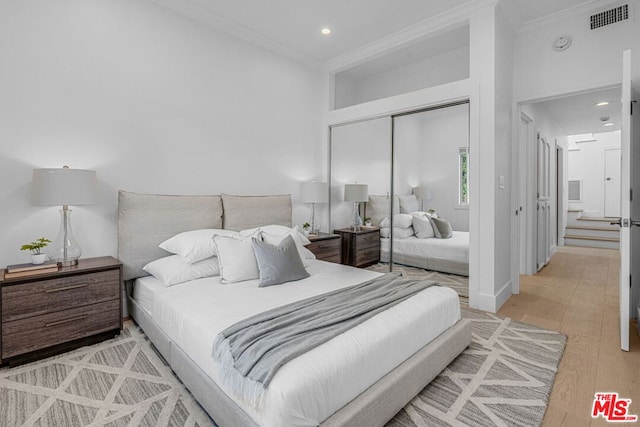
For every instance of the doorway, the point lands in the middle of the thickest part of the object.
(612, 159)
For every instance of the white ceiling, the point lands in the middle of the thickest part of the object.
(578, 114)
(294, 25)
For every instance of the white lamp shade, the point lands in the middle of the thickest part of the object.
(422, 193)
(314, 192)
(356, 193)
(64, 186)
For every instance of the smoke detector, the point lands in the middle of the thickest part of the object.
(561, 43)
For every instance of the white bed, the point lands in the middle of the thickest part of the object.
(445, 255)
(361, 377)
(193, 313)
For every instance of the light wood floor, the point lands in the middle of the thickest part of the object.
(577, 294)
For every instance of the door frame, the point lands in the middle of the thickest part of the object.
(604, 184)
(527, 176)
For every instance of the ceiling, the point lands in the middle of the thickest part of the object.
(578, 114)
(294, 25)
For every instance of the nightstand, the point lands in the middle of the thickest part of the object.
(325, 247)
(50, 313)
(360, 248)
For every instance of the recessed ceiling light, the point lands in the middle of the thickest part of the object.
(608, 124)
(602, 103)
(326, 31)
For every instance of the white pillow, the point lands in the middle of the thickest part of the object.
(422, 227)
(408, 203)
(276, 239)
(236, 258)
(279, 230)
(399, 221)
(173, 269)
(398, 233)
(194, 245)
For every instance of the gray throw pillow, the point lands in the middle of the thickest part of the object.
(441, 228)
(278, 264)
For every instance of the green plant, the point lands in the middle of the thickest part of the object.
(367, 219)
(306, 226)
(36, 245)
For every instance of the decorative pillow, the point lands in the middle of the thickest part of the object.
(422, 227)
(408, 203)
(279, 230)
(398, 233)
(276, 239)
(278, 264)
(441, 228)
(236, 258)
(399, 221)
(378, 208)
(195, 245)
(173, 269)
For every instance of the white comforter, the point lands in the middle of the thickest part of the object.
(313, 386)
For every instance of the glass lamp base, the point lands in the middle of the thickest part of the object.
(65, 249)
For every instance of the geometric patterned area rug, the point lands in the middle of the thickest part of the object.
(119, 382)
(503, 378)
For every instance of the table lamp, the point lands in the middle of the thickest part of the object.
(356, 193)
(422, 194)
(314, 192)
(64, 187)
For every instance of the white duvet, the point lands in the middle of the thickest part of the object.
(313, 386)
(454, 249)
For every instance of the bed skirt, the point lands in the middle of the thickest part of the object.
(432, 264)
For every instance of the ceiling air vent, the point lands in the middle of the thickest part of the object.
(610, 16)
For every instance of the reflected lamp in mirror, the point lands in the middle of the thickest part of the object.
(64, 186)
(422, 194)
(314, 192)
(356, 193)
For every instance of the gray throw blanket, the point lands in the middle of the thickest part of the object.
(251, 351)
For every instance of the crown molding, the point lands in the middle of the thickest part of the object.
(196, 11)
(581, 9)
(457, 16)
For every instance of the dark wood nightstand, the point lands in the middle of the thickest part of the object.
(360, 248)
(325, 247)
(50, 313)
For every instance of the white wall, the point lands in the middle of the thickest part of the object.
(426, 147)
(586, 162)
(152, 101)
(444, 68)
(593, 60)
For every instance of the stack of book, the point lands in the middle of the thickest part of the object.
(23, 270)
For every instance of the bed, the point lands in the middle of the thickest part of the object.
(447, 255)
(319, 387)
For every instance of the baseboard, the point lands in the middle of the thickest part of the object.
(492, 303)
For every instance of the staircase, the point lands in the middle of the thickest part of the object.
(591, 232)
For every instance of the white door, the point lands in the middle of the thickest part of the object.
(629, 206)
(612, 183)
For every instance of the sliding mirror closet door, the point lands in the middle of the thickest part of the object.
(360, 175)
(430, 182)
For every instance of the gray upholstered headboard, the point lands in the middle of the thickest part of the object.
(146, 220)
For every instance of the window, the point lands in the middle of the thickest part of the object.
(463, 176)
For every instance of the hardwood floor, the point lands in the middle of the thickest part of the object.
(577, 294)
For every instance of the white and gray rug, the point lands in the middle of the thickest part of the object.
(503, 378)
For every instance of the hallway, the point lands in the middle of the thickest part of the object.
(577, 294)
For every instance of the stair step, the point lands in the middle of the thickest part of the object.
(592, 243)
(600, 239)
(574, 210)
(593, 228)
(596, 219)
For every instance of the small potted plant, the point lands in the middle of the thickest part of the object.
(306, 228)
(432, 212)
(367, 222)
(37, 257)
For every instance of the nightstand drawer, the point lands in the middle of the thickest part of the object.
(367, 256)
(326, 250)
(47, 296)
(34, 333)
(369, 240)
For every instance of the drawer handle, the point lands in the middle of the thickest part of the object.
(60, 322)
(66, 288)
